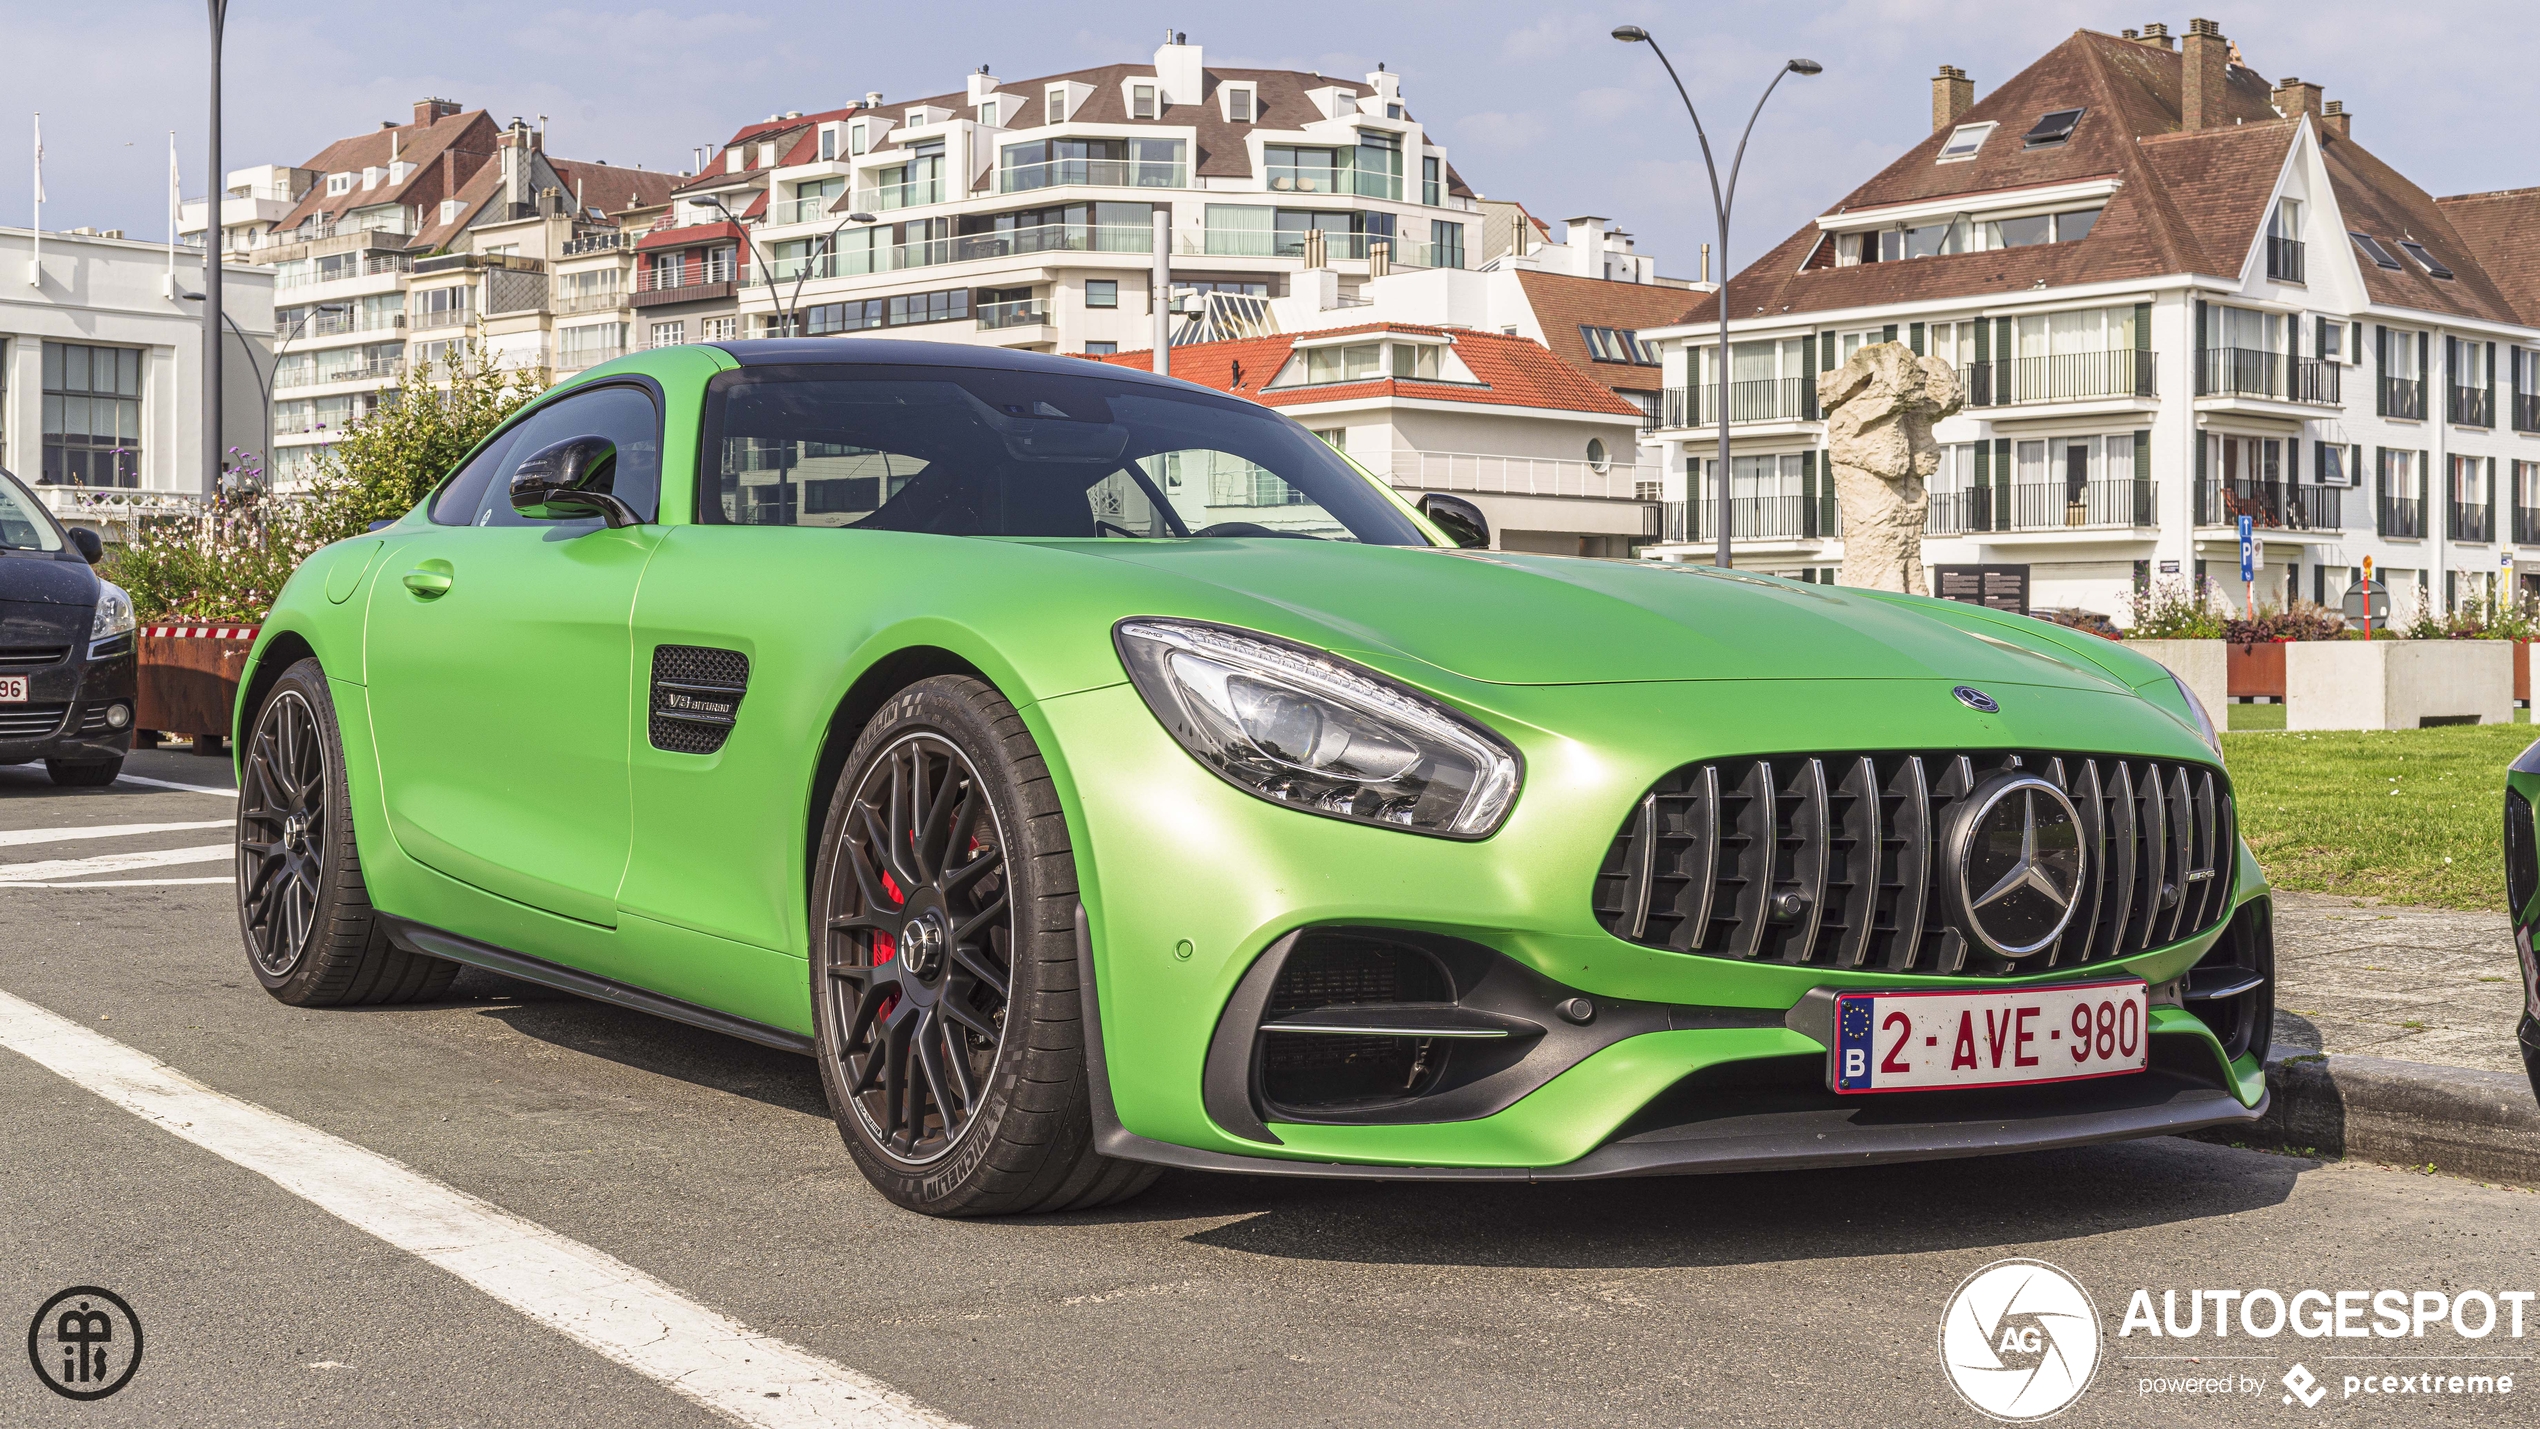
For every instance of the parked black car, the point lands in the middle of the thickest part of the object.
(66, 647)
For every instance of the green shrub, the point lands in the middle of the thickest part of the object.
(2173, 610)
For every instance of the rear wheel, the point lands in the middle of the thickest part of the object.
(951, 1038)
(311, 937)
(83, 773)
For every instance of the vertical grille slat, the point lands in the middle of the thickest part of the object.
(1833, 860)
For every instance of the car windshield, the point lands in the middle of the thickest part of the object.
(24, 523)
(965, 451)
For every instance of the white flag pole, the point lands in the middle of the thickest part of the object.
(35, 265)
(176, 203)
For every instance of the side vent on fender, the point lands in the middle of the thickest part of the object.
(696, 694)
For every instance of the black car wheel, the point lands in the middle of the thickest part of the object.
(944, 966)
(306, 918)
(83, 773)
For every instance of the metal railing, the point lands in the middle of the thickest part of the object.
(1516, 475)
(916, 194)
(2276, 505)
(2403, 397)
(1769, 399)
(317, 375)
(590, 243)
(574, 359)
(1757, 518)
(2473, 406)
(2526, 411)
(685, 275)
(2061, 377)
(1094, 173)
(2527, 525)
(2470, 521)
(337, 324)
(370, 265)
(1045, 238)
(1316, 179)
(2121, 503)
(1358, 247)
(2284, 260)
(2254, 372)
(2402, 516)
(432, 318)
(1021, 312)
(589, 300)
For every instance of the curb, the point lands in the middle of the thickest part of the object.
(2462, 1121)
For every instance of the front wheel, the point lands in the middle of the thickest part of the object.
(84, 773)
(311, 937)
(950, 1036)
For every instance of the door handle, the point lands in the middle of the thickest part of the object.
(430, 580)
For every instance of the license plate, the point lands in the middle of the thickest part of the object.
(12, 689)
(1916, 1041)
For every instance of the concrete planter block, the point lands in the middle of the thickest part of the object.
(2397, 684)
(2204, 664)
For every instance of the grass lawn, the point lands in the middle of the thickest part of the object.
(2411, 815)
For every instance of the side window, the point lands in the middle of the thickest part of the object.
(624, 415)
(457, 503)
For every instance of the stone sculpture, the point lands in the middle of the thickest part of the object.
(1880, 406)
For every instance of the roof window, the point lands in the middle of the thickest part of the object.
(1614, 344)
(1964, 141)
(2054, 128)
(2424, 259)
(2373, 249)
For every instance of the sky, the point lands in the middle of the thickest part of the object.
(1533, 101)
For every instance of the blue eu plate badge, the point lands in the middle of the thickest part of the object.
(1852, 1043)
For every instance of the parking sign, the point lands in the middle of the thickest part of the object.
(2248, 553)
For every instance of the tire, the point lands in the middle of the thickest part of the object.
(84, 773)
(311, 936)
(945, 1007)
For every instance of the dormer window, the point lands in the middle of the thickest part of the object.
(338, 184)
(450, 210)
(1417, 361)
(856, 139)
(1614, 344)
(2424, 259)
(1393, 111)
(2373, 250)
(989, 109)
(1239, 108)
(1142, 101)
(828, 142)
(370, 179)
(1965, 140)
(1054, 104)
(767, 156)
(2054, 127)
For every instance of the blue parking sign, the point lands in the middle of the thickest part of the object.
(2248, 553)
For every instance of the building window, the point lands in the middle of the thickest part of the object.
(2424, 259)
(2054, 127)
(719, 329)
(338, 184)
(669, 334)
(92, 415)
(1142, 101)
(1239, 104)
(1614, 344)
(2372, 249)
(1054, 105)
(1446, 245)
(1598, 458)
(1102, 293)
(1964, 141)
(1101, 349)
(1432, 181)
(989, 110)
(1393, 111)
(1416, 360)
(1337, 438)
(855, 139)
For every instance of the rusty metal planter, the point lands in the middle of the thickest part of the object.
(189, 678)
(2257, 670)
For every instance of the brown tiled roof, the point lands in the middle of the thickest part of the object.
(1562, 303)
(445, 153)
(612, 189)
(2186, 202)
(2496, 228)
(1513, 371)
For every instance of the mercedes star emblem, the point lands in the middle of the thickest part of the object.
(2020, 862)
(1976, 700)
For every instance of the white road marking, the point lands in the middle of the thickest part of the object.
(170, 784)
(112, 862)
(10, 838)
(115, 882)
(590, 1297)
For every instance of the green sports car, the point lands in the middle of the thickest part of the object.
(1095, 773)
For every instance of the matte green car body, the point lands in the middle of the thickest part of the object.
(525, 807)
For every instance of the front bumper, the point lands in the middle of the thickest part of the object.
(66, 713)
(1187, 882)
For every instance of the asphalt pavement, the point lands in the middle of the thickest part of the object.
(711, 1166)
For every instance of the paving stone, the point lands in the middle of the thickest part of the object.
(2389, 980)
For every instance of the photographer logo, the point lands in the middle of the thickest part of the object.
(2019, 1341)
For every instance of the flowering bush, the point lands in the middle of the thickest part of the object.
(2301, 620)
(2172, 610)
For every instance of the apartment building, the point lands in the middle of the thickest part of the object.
(389, 248)
(1023, 213)
(2179, 295)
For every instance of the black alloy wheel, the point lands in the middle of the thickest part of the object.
(925, 963)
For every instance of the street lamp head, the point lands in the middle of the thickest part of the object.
(861, 218)
(1806, 67)
(1630, 34)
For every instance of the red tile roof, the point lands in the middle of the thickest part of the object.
(1512, 372)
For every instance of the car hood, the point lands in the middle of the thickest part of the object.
(46, 579)
(1506, 618)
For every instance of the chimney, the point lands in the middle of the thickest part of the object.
(2293, 99)
(982, 85)
(2333, 117)
(428, 111)
(1952, 94)
(2201, 76)
(2156, 35)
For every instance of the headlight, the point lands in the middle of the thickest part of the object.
(2203, 722)
(1302, 728)
(114, 611)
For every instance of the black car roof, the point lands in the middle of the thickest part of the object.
(907, 352)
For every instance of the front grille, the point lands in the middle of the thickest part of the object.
(30, 721)
(1834, 860)
(93, 720)
(697, 693)
(32, 657)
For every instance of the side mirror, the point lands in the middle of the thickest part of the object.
(86, 543)
(1461, 520)
(570, 480)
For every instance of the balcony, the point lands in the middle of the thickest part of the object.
(1017, 242)
(2284, 260)
(574, 359)
(611, 241)
(1520, 476)
(909, 195)
(432, 319)
(1771, 399)
(2271, 505)
(1023, 312)
(2402, 517)
(2062, 377)
(2527, 525)
(2252, 372)
(594, 300)
(681, 283)
(2471, 521)
(2044, 506)
(1757, 518)
(337, 268)
(809, 209)
(1094, 173)
(1269, 243)
(2403, 397)
(325, 324)
(318, 376)
(2472, 406)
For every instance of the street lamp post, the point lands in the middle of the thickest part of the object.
(765, 274)
(825, 250)
(213, 241)
(1721, 201)
(264, 383)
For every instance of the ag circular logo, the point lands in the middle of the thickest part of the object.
(85, 1343)
(2019, 1341)
(2019, 862)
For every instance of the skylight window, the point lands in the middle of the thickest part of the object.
(2373, 250)
(2054, 128)
(1613, 344)
(1964, 141)
(2424, 259)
